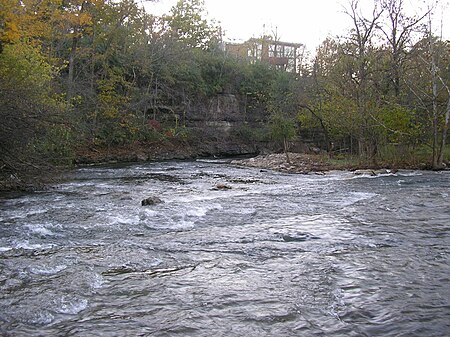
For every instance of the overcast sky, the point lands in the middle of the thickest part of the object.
(301, 21)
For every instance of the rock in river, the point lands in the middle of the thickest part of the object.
(151, 201)
(222, 187)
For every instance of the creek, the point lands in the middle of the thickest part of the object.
(276, 255)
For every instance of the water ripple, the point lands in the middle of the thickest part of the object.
(275, 255)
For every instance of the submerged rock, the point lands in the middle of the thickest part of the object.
(222, 187)
(151, 201)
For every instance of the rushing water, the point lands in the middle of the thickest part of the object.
(275, 255)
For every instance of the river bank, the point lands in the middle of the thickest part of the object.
(303, 163)
(299, 163)
(34, 176)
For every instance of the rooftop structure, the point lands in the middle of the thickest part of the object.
(283, 55)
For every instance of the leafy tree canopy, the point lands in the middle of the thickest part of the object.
(189, 25)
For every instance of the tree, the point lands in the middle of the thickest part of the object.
(359, 49)
(320, 88)
(188, 24)
(397, 31)
(9, 22)
(283, 108)
(78, 21)
(27, 108)
(428, 82)
(282, 129)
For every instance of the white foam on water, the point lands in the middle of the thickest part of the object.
(147, 213)
(40, 229)
(36, 212)
(207, 193)
(201, 211)
(25, 244)
(409, 173)
(16, 215)
(41, 318)
(97, 282)
(182, 224)
(47, 270)
(197, 211)
(175, 222)
(156, 262)
(354, 197)
(213, 161)
(401, 173)
(371, 176)
(5, 249)
(71, 306)
(177, 216)
(143, 216)
(122, 219)
(195, 197)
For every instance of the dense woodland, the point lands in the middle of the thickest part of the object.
(79, 74)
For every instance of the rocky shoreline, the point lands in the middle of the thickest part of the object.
(299, 163)
(302, 163)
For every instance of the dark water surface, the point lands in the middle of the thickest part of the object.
(276, 255)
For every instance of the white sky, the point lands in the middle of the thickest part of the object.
(300, 21)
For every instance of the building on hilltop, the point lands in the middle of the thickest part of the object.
(287, 56)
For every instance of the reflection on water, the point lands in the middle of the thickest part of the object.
(275, 255)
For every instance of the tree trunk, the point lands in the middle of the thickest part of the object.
(434, 81)
(444, 135)
(328, 142)
(70, 79)
(396, 76)
(286, 148)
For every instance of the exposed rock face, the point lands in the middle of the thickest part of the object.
(151, 201)
(220, 123)
(225, 108)
(229, 108)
